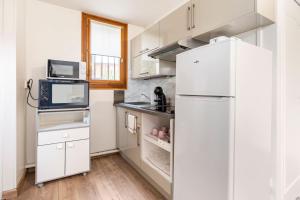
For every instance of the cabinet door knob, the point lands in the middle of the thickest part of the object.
(65, 135)
(70, 144)
(59, 146)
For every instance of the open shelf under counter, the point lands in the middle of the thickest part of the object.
(158, 142)
(157, 153)
(158, 159)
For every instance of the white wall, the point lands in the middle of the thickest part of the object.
(1, 88)
(21, 93)
(55, 32)
(8, 93)
(51, 32)
(291, 126)
(266, 37)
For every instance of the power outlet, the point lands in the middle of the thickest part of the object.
(25, 84)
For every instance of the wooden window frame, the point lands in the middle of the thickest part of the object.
(86, 52)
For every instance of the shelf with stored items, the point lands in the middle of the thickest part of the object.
(157, 144)
(63, 142)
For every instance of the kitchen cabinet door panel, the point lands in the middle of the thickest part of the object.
(212, 14)
(121, 129)
(77, 157)
(50, 162)
(143, 65)
(175, 26)
(146, 41)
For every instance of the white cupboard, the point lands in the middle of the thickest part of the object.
(63, 144)
(129, 143)
(231, 17)
(77, 151)
(146, 41)
(50, 162)
(176, 25)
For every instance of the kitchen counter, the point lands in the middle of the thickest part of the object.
(143, 109)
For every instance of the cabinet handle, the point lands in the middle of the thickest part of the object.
(144, 73)
(59, 146)
(193, 16)
(188, 18)
(66, 135)
(126, 122)
(70, 144)
(144, 50)
(138, 136)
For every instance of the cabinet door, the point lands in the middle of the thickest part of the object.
(212, 14)
(121, 129)
(77, 157)
(50, 162)
(150, 38)
(146, 41)
(132, 151)
(175, 26)
(136, 46)
(143, 65)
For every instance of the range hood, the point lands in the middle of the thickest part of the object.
(169, 52)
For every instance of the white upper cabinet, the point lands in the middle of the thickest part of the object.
(230, 17)
(146, 41)
(176, 25)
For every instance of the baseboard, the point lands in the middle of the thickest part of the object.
(13, 194)
(10, 194)
(104, 153)
(21, 182)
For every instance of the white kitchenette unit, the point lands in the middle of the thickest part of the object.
(222, 144)
(63, 144)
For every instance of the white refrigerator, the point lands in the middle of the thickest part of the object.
(222, 148)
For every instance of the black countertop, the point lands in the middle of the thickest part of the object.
(143, 109)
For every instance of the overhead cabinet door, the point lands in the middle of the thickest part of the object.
(176, 25)
(146, 41)
(229, 17)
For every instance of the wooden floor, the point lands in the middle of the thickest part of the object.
(111, 178)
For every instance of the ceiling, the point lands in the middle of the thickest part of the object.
(137, 12)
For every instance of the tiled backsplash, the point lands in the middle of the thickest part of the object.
(138, 87)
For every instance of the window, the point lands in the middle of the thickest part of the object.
(104, 49)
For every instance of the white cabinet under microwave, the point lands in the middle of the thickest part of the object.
(63, 144)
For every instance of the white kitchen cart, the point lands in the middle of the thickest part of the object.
(63, 144)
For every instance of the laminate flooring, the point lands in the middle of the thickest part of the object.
(110, 178)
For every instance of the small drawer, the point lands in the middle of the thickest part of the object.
(66, 135)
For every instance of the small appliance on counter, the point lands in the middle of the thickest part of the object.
(58, 69)
(61, 94)
(160, 99)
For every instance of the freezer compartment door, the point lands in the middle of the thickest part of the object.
(203, 158)
(207, 70)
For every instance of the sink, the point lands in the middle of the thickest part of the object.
(138, 103)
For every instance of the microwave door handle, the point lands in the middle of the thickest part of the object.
(50, 71)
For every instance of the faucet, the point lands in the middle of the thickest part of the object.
(147, 97)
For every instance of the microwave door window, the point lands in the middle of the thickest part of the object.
(62, 70)
(68, 94)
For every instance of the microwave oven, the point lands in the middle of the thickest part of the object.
(58, 69)
(63, 94)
